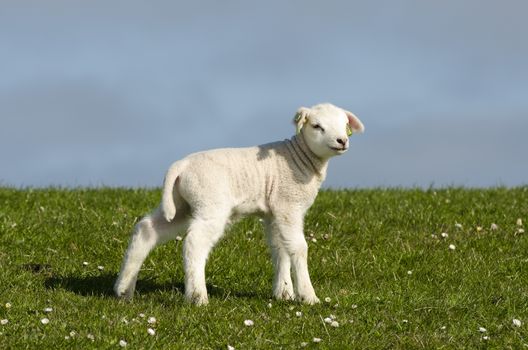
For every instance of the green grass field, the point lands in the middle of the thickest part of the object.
(391, 280)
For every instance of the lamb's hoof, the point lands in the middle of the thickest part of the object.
(169, 214)
(198, 299)
(124, 293)
(286, 295)
(309, 300)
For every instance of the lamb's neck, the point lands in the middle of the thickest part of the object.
(307, 161)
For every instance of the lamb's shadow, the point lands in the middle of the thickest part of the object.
(102, 286)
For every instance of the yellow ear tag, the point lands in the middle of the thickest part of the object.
(349, 130)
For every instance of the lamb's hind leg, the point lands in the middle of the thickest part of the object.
(204, 233)
(151, 231)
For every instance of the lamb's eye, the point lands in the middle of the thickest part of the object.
(317, 126)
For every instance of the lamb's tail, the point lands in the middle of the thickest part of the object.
(167, 201)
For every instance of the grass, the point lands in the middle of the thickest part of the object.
(391, 283)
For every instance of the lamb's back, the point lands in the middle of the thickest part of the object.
(234, 177)
(254, 179)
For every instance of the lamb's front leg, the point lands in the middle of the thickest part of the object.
(282, 282)
(290, 231)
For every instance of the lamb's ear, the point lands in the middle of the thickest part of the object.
(300, 118)
(354, 123)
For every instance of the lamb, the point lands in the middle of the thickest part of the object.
(206, 191)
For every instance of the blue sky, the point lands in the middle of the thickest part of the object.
(111, 92)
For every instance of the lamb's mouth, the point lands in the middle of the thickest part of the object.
(339, 149)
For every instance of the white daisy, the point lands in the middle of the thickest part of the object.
(494, 227)
(152, 320)
(44, 321)
(248, 323)
(48, 310)
(316, 340)
(444, 234)
(122, 343)
(327, 320)
(298, 314)
(482, 330)
(334, 324)
(8, 305)
(452, 247)
(4, 321)
(519, 222)
(517, 323)
(150, 331)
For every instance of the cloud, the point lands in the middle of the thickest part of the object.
(485, 150)
(94, 92)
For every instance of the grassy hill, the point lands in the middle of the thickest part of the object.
(380, 258)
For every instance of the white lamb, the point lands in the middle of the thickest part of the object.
(279, 181)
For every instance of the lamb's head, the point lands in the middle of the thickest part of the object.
(326, 128)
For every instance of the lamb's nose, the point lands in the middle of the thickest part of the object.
(342, 141)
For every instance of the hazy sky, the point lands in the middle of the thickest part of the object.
(112, 92)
